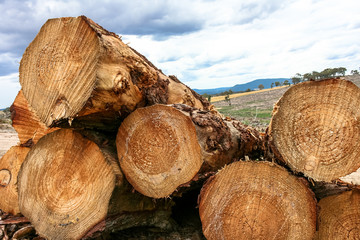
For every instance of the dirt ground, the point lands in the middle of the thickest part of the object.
(8, 138)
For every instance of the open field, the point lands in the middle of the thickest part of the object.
(252, 108)
(235, 95)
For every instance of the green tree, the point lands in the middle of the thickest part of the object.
(227, 98)
(297, 78)
(341, 71)
(315, 75)
(272, 85)
(307, 76)
(277, 84)
(206, 96)
(261, 87)
(248, 90)
(354, 72)
(286, 82)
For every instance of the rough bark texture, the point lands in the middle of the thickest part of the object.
(315, 129)
(9, 168)
(28, 126)
(339, 216)
(162, 147)
(222, 140)
(76, 73)
(326, 189)
(68, 186)
(256, 200)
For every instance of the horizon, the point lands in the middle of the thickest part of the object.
(206, 44)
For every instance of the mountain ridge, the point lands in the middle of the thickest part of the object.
(266, 82)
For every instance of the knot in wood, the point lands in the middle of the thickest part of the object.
(5, 177)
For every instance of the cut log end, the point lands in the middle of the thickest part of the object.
(158, 150)
(238, 204)
(74, 183)
(55, 66)
(26, 123)
(316, 129)
(339, 216)
(10, 164)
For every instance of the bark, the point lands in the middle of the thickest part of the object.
(26, 123)
(339, 216)
(315, 129)
(68, 186)
(162, 147)
(9, 168)
(76, 73)
(256, 200)
(326, 189)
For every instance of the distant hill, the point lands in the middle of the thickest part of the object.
(243, 87)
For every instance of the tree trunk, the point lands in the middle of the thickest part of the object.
(76, 73)
(10, 164)
(256, 200)
(68, 186)
(339, 216)
(315, 129)
(164, 146)
(28, 126)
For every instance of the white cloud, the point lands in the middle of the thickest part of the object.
(297, 37)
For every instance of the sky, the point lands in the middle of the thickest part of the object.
(205, 43)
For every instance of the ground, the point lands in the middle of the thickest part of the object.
(252, 109)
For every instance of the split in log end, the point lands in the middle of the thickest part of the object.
(256, 200)
(74, 183)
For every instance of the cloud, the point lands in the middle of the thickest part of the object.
(9, 87)
(9, 63)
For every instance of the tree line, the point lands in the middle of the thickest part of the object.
(314, 75)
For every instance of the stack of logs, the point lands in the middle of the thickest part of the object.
(108, 142)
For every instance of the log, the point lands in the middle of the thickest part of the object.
(256, 200)
(339, 216)
(315, 129)
(26, 123)
(70, 187)
(9, 168)
(76, 73)
(162, 147)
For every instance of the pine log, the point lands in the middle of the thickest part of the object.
(26, 123)
(9, 168)
(339, 216)
(69, 187)
(256, 200)
(76, 73)
(315, 129)
(164, 146)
